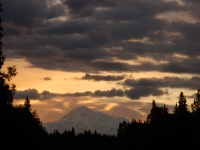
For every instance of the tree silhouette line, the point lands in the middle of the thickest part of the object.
(164, 128)
(21, 127)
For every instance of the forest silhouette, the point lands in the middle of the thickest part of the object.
(21, 127)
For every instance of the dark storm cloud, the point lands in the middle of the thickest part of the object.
(94, 36)
(102, 77)
(166, 82)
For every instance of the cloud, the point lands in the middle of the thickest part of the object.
(140, 88)
(108, 93)
(102, 77)
(46, 78)
(138, 92)
(133, 93)
(85, 36)
(31, 93)
(34, 13)
(166, 82)
(47, 95)
(111, 9)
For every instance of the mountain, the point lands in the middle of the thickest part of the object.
(83, 118)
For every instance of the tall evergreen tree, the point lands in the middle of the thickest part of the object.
(6, 89)
(195, 106)
(182, 108)
(156, 112)
(27, 104)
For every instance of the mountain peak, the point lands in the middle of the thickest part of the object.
(83, 118)
(82, 111)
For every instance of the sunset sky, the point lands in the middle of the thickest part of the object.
(114, 56)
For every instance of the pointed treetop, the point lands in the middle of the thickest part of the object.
(27, 104)
(153, 104)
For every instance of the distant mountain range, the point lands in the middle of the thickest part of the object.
(83, 118)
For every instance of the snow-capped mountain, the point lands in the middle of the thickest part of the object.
(83, 118)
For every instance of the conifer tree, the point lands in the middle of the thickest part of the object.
(195, 106)
(155, 112)
(165, 110)
(6, 89)
(182, 107)
(27, 104)
(176, 109)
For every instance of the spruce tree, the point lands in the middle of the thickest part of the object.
(155, 113)
(165, 110)
(6, 89)
(182, 105)
(27, 104)
(195, 106)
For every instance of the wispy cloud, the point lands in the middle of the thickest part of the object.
(46, 78)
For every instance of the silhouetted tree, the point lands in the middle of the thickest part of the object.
(18, 123)
(6, 89)
(176, 109)
(157, 112)
(195, 106)
(182, 108)
(165, 110)
(27, 104)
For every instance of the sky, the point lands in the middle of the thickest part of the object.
(114, 56)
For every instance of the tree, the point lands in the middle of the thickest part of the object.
(156, 112)
(6, 89)
(17, 122)
(27, 104)
(195, 106)
(176, 109)
(182, 108)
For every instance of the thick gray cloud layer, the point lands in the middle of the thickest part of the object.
(166, 82)
(93, 35)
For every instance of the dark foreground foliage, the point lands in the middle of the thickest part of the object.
(21, 128)
(180, 129)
